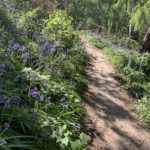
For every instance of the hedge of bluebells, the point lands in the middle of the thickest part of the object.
(41, 78)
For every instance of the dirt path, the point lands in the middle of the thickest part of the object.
(110, 119)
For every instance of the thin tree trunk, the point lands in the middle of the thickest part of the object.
(130, 30)
(146, 43)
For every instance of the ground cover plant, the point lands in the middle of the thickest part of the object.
(41, 79)
(135, 68)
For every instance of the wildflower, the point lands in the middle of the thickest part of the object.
(11, 67)
(35, 115)
(16, 20)
(3, 68)
(25, 56)
(46, 83)
(32, 84)
(16, 46)
(49, 99)
(33, 75)
(7, 104)
(41, 97)
(16, 99)
(39, 67)
(6, 126)
(45, 47)
(2, 98)
(78, 126)
(47, 66)
(53, 48)
(34, 92)
(9, 55)
(16, 79)
(24, 77)
(58, 73)
(52, 69)
(3, 56)
(23, 48)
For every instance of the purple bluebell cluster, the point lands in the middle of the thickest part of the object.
(35, 76)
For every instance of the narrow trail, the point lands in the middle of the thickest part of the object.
(110, 121)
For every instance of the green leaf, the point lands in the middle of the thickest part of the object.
(76, 145)
(65, 141)
(84, 138)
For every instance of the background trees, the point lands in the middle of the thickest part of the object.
(127, 18)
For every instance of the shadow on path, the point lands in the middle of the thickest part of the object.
(110, 120)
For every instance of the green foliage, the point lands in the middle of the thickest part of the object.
(140, 17)
(59, 26)
(41, 78)
(79, 144)
(143, 108)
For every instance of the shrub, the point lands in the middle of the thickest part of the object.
(59, 27)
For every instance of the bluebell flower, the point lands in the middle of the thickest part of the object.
(47, 66)
(11, 68)
(16, 20)
(58, 73)
(45, 47)
(2, 69)
(46, 83)
(9, 55)
(16, 99)
(2, 98)
(33, 75)
(35, 115)
(3, 56)
(39, 67)
(52, 69)
(41, 97)
(78, 126)
(32, 84)
(16, 79)
(24, 77)
(25, 56)
(7, 104)
(53, 48)
(6, 126)
(49, 99)
(34, 93)
(23, 48)
(16, 46)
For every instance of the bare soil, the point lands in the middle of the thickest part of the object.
(111, 121)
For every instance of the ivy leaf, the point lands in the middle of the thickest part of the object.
(65, 141)
(76, 145)
(84, 138)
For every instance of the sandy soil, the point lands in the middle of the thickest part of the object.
(111, 122)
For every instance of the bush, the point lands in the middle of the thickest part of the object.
(59, 27)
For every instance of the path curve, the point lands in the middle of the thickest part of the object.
(110, 120)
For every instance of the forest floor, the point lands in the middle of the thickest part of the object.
(111, 121)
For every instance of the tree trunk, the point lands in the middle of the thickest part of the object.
(130, 30)
(146, 43)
